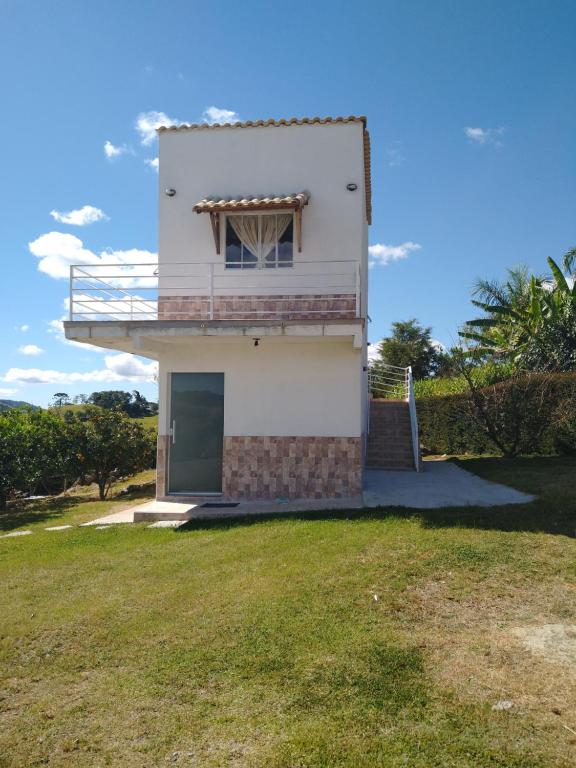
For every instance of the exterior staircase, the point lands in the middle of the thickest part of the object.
(393, 428)
(390, 437)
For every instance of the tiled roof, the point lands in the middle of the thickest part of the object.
(294, 121)
(251, 203)
(263, 123)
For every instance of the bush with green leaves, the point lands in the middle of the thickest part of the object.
(40, 450)
(37, 451)
(112, 445)
(521, 415)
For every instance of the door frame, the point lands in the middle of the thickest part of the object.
(168, 426)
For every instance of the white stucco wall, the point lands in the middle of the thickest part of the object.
(228, 162)
(280, 388)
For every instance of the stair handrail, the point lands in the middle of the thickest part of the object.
(413, 418)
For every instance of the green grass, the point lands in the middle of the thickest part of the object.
(322, 641)
(77, 506)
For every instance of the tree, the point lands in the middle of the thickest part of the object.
(12, 464)
(113, 445)
(60, 399)
(411, 344)
(138, 406)
(36, 449)
(528, 320)
(111, 399)
(134, 404)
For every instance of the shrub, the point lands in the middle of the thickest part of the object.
(112, 445)
(530, 413)
(482, 376)
(36, 450)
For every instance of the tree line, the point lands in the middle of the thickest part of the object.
(48, 451)
(132, 403)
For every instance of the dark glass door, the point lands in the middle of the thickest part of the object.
(196, 432)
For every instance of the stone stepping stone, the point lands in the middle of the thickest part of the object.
(168, 524)
(57, 527)
(15, 533)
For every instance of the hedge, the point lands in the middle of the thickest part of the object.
(532, 413)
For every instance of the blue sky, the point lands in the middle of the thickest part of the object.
(450, 204)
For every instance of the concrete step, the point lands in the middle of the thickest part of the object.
(389, 444)
(154, 511)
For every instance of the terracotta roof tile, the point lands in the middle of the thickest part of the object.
(263, 123)
(246, 203)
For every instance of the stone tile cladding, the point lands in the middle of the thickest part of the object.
(161, 465)
(286, 467)
(292, 467)
(288, 307)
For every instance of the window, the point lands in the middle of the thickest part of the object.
(261, 241)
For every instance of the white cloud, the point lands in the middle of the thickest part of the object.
(213, 115)
(381, 254)
(57, 251)
(121, 367)
(394, 156)
(24, 328)
(485, 135)
(153, 163)
(373, 353)
(80, 217)
(6, 392)
(30, 349)
(112, 152)
(126, 366)
(148, 122)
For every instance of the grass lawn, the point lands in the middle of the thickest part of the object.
(363, 639)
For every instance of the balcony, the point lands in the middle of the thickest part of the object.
(195, 291)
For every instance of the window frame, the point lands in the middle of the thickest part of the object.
(275, 263)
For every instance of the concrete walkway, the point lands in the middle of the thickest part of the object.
(438, 484)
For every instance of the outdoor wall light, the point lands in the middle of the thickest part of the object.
(351, 187)
(170, 192)
(256, 342)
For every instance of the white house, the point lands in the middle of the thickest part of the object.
(256, 311)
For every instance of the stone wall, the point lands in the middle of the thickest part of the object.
(287, 307)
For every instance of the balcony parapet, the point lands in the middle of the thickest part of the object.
(319, 290)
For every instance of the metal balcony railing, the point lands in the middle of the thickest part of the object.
(209, 291)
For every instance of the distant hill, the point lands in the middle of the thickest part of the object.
(5, 405)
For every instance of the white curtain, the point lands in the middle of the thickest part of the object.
(272, 228)
(246, 228)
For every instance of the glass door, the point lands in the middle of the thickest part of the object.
(196, 433)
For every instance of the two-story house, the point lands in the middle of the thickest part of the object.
(256, 311)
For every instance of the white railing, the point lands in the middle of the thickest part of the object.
(206, 291)
(389, 381)
(392, 382)
(413, 419)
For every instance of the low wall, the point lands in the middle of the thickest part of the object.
(285, 306)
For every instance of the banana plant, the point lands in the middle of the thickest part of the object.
(520, 311)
